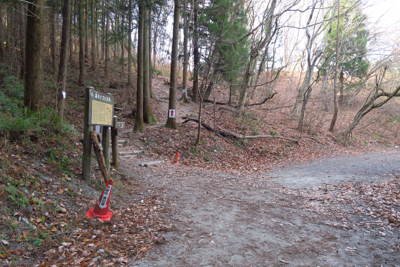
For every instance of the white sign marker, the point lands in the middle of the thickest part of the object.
(184, 91)
(103, 202)
(64, 94)
(171, 113)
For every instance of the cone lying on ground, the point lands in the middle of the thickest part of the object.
(100, 211)
(176, 158)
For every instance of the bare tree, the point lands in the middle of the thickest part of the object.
(335, 101)
(313, 56)
(371, 102)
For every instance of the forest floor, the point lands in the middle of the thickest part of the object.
(321, 201)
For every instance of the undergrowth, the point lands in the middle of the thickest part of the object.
(16, 120)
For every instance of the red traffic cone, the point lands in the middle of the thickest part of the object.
(176, 158)
(101, 210)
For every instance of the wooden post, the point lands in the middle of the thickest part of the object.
(87, 143)
(100, 156)
(114, 142)
(106, 146)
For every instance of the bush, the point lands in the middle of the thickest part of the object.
(16, 120)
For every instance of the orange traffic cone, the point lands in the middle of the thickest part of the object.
(100, 211)
(176, 158)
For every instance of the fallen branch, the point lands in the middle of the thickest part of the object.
(217, 103)
(234, 135)
(263, 102)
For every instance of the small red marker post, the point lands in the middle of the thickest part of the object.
(100, 211)
(176, 158)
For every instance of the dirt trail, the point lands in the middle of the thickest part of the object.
(226, 220)
(246, 220)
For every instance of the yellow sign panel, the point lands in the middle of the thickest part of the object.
(102, 113)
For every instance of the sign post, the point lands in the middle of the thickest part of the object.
(99, 110)
(87, 144)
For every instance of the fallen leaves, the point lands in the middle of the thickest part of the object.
(379, 200)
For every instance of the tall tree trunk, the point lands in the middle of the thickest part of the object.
(148, 115)
(185, 49)
(103, 32)
(122, 48)
(209, 89)
(96, 36)
(81, 43)
(76, 26)
(196, 54)
(86, 14)
(33, 94)
(12, 37)
(154, 46)
(300, 95)
(94, 33)
(139, 122)
(52, 19)
(22, 37)
(62, 71)
(130, 44)
(106, 48)
(150, 67)
(116, 32)
(9, 27)
(310, 68)
(341, 87)
(261, 69)
(2, 48)
(335, 102)
(70, 31)
(171, 122)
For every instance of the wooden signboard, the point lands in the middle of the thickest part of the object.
(101, 108)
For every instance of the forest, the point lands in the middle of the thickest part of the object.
(243, 47)
(253, 85)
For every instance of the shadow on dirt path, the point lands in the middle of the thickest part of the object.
(225, 220)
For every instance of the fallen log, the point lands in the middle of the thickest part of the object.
(234, 135)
